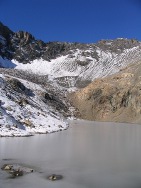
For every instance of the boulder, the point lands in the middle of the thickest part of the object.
(55, 177)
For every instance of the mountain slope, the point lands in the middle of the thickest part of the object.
(25, 110)
(114, 98)
(68, 64)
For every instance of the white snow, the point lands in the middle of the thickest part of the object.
(66, 66)
(27, 120)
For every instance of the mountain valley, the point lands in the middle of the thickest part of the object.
(44, 84)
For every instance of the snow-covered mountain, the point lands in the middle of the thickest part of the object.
(68, 64)
(25, 108)
(36, 76)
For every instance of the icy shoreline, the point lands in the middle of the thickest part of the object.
(18, 133)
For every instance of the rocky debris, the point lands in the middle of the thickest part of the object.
(8, 108)
(16, 173)
(54, 100)
(7, 167)
(25, 75)
(117, 45)
(82, 63)
(16, 170)
(66, 81)
(27, 122)
(19, 87)
(22, 102)
(114, 98)
(55, 177)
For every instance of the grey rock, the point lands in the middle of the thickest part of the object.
(55, 177)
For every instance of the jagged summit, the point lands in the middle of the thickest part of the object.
(23, 47)
(5, 31)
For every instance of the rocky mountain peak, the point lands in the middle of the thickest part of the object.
(117, 45)
(24, 36)
(23, 47)
(5, 31)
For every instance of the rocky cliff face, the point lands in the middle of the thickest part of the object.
(5, 35)
(23, 47)
(114, 98)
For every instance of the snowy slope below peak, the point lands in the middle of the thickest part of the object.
(22, 112)
(81, 65)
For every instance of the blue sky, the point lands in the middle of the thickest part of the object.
(74, 20)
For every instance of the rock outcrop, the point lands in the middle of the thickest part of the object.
(114, 98)
(5, 37)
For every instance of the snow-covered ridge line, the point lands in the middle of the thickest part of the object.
(23, 113)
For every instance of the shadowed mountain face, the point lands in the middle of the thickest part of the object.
(114, 98)
(5, 35)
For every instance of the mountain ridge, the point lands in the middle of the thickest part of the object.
(75, 64)
(50, 50)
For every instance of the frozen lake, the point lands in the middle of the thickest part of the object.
(88, 155)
